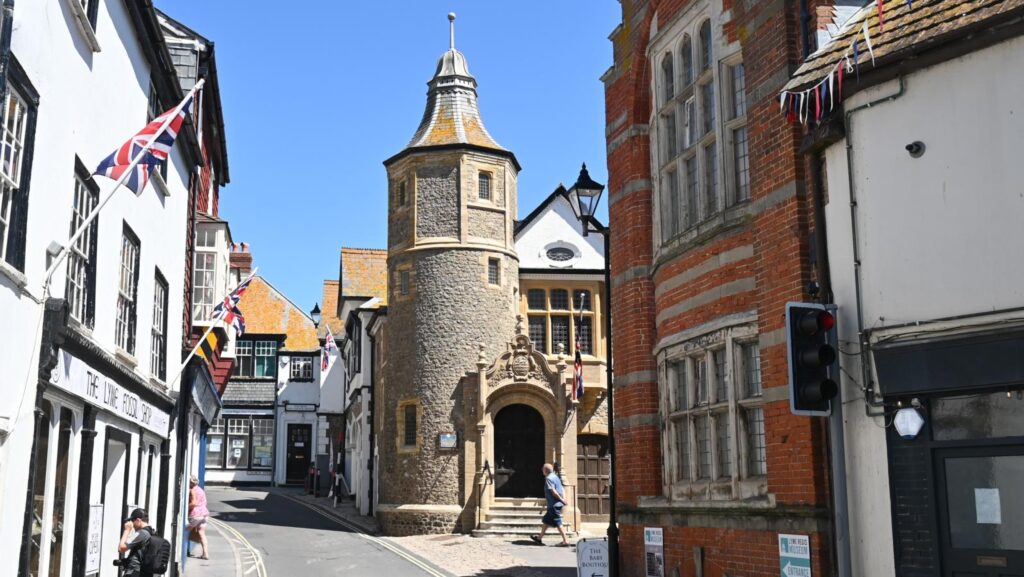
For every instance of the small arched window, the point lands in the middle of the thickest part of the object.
(668, 77)
(705, 45)
(686, 54)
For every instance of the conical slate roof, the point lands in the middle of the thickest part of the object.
(451, 115)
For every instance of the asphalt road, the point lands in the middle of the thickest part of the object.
(296, 541)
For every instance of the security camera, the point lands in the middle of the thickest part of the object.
(916, 149)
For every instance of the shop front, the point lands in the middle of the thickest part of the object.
(955, 447)
(101, 449)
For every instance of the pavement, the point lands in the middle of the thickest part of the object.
(281, 532)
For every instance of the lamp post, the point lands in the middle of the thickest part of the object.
(584, 197)
(315, 315)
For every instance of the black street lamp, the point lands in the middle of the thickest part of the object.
(584, 197)
(315, 315)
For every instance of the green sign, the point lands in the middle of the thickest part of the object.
(795, 555)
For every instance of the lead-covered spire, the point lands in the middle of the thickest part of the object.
(451, 115)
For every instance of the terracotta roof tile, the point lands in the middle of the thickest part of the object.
(907, 31)
(364, 273)
(268, 312)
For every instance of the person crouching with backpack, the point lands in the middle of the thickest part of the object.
(147, 554)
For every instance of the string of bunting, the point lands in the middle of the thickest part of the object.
(822, 98)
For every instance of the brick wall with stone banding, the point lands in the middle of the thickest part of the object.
(745, 261)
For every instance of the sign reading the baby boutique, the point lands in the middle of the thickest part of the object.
(78, 378)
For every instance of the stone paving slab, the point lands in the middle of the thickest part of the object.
(224, 559)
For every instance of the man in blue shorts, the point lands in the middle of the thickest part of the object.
(554, 492)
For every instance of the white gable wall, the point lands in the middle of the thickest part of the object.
(557, 226)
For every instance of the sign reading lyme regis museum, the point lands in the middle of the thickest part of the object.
(76, 377)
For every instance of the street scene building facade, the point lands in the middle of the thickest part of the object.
(475, 391)
(706, 171)
(857, 158)
(106, 416)
(928, 328)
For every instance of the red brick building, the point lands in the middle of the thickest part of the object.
(712, 235)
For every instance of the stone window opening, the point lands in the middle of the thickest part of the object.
(702, 159)
(713, 407)
(494, 271)
(484, 186)
(403, 195)
(403, 283)
(408, 420)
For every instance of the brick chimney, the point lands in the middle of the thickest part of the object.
(241, 258)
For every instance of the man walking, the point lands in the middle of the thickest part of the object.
(137, 522)
(554, 492)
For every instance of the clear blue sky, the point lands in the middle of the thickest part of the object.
(317, 94)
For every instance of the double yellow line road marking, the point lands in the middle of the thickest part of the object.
(257, 559)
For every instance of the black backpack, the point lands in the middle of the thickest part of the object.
(157, 554)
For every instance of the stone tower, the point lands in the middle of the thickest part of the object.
(453, 286)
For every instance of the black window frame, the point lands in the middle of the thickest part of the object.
(154, 108)
(252, 340)
(17, 79)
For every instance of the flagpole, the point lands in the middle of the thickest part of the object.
(213, 325)
(117, 185)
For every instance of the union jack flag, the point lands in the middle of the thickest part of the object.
(228, 309)
(577, 389)
(162, 138)
(329, 348)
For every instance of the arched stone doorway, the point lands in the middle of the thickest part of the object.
(518, 452)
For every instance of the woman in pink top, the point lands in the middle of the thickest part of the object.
(198, 513)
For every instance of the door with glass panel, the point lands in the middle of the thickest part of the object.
(981, 510)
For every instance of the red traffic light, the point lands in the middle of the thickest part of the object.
(814, 321)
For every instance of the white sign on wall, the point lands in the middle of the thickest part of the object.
(95, 537)
(592, 558)
(654, 551)
(78, 378)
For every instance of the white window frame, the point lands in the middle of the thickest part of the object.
(10, 172)
(127, 293)
(730, 472)
(80, 265)
(158, 331)
(301, 368)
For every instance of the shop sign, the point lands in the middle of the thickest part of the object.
(78, 378)
(592, 558)
(795, 555)
(95, 537)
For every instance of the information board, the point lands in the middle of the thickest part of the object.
(654, 551)
(795, 555)
(592, 558)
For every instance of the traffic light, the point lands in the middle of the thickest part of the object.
(811, 342)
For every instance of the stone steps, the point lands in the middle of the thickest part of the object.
(513, 518)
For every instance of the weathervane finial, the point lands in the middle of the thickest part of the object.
(451, 28)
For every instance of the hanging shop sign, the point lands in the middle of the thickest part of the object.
(78, 378)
